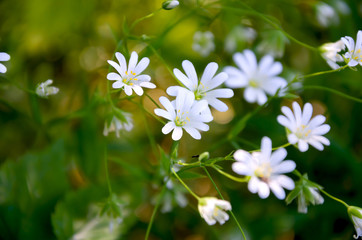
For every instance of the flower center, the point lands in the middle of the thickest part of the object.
(356, 55)
(128, 78)
(200, 92)
(254, 83)
(303, 132)
(263, 172)
(181, 119)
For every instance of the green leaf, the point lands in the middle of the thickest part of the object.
(293, 194)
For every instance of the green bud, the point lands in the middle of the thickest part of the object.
(171, 4)
(204, 156)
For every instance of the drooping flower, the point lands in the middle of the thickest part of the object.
(266, 169)
(203, 43)
(3, 58)
(257, 79)
(306, 193)
(355, 213)
(354, 54)
(302, 128)
(130, 78)
(171, 4)
(44, 90)
(330, 52)
(184, 113)
(116, 124)
(205, 89)
(213, 210)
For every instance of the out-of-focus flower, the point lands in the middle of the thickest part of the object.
(306, 192)
(265, 169)
(205, 89)
(129, 78)
(326, 15)
(118, 123)
(330, 52)
(257, 79)
(44, 90)
(342, 7)
(354, 54)
(168, 5)
(273, 43)
(355, 213)
(302, 128)
(3, 58)
(203, 43)
(238, 37)
(212, 209)
(184, 113)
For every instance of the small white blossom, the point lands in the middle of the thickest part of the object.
(257, 79)
(130, 78)
(265, 169)
(212, 209)
(203, 43)
(316, 198)
(44, 90)
(205, 89)
(116, 124)
(168, 5)
(354, 54)
(184, 113)
(330, 52)
(3, 58)
(355, 213)
(303, 129)
(326, 15)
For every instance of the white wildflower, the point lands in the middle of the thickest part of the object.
(265, 169)
(117, 124)
(212, 209)
(302, 128)
(205, 88)
(355, 213)
(3, 58)
(326, 15)
(44, 90)
(203, 43)
(257, 79)
(354, 54)
(330, 52)
(184, 113)
(130, 78)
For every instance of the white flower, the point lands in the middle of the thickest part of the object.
(116, 124)
(44, 90)
(205, 89)
(330, 53)
(184, 113)
(257, 79)
(355, 213)
(303, 129)
(168, 5)
(313, 196)
(265, 169)
(3, 58)
(212, 209)
(203, 43)
(326, 15)
(130, 78)
(354, 54)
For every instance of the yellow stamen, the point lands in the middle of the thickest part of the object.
(188, 119)
(135, 79)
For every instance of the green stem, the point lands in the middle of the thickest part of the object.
(275, 148)
(323, 72)
(236, 179)
(151, 114)
(182, 182)
(144, 18)
(218, 191)
(333, 91)
(106, 168)
(154, 102)
(155, 211)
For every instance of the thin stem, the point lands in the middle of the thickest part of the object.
(218, 191)
(333, 91)
(236, 179)
(332, 197)
(321, 73)
(182, 182)
(144, 18)
(155, 211)
(154, 102)
(106, 168)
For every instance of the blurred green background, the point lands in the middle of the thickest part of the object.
(52, 177)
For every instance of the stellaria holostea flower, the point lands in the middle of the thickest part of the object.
(355, 213)
(213, 210)
(265, 169)
(257, 79)
(3, 58)
(205, 89)
(171, 4)
(302, 128)
(184, 113)
(330, 52)
(44, 90)
(130, 78)
(203, 43)
(116, 124)
(354, 54)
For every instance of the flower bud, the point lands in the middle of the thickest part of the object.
(44, 90)
(204, 156)
(355, 213)
(171, 4)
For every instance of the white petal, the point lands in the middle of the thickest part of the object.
(143, 78)
(322, 139)
(253, 184)
(216, 81)
(282, 120)
(168, 127)
(4, 57)
(2, 68)
(173, 90)
(138, 90)
(266, 147)
(116, 66)
(321, 130)
(264, 190)
(163, 113)
(220, 93)
(177, 133)
(289, 114)
(316, 121)
(352, 63)
(193, 132)
(316, 144)
(278, 156)
(292, 138)
(302, 145)
(272, 85)
(297, 113)
(275, 69)
(142, 65)
(236, 78)
(241, 155)
(241, 169)
(199, 125)
(277, 190)
(118, 84)
(261, 97)
(209, 72)
(218, 105)
(147, 85)
(284, 167)
(132, 62)
(127, 90)
(122, 63)
(285, 182)
(250, 95)
(190, 72)
(184, 79)
(265, 64)
(169, 108)
(307, 113)
(114, 76)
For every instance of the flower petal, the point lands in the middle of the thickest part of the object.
(142, 65)
(168, 127)
(177, 133)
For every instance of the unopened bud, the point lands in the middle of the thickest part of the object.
(171, 4)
